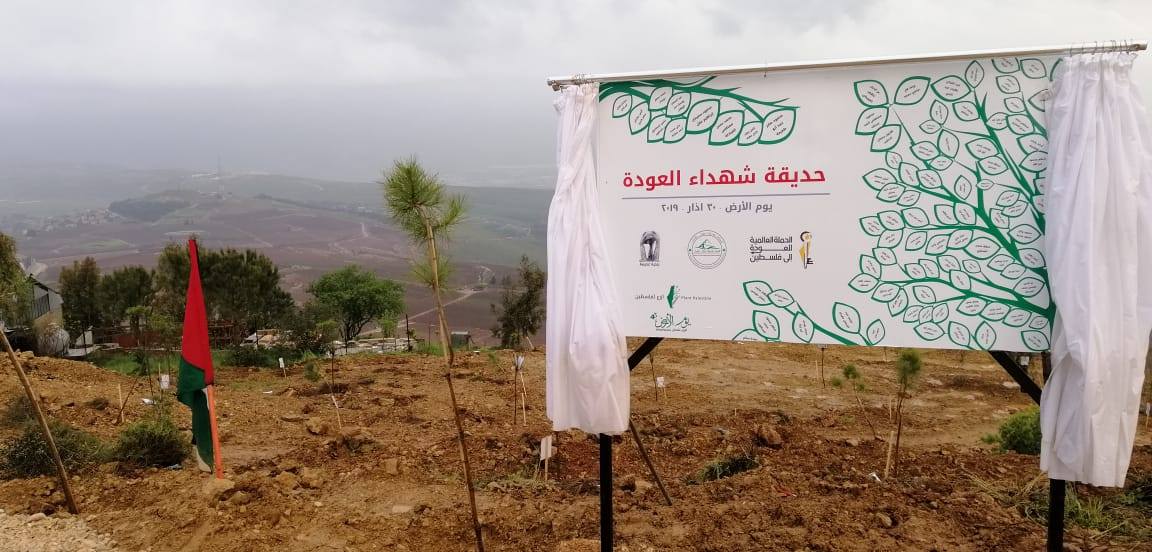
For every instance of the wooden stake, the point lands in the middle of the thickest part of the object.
(888, 463)
(648, 462)
(523, 398)
(218, 462)
(61, 471)
(339, 422)
(120, 403)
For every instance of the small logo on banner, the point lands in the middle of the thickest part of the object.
(650, 248)
(806, 248)
(707, 249)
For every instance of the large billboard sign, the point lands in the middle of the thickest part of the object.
(895, 205)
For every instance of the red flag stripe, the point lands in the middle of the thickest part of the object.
(195, 349)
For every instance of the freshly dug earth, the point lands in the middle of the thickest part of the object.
(38, 533)
(384, 472)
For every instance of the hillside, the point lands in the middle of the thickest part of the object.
(307, 227)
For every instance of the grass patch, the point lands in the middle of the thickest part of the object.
(17, 412)
(27, 455)
(726, 466)
(155, 441)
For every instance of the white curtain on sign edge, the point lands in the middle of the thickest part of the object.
(1099, 252)
(587, 380)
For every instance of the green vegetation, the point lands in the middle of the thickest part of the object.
(78, 290)
(521, 310)
(154, 441)
(417, 204)
(357, 297)
(908, 366)
(726, 466)
(27, 455)
(17, 412)
(15, 289)
(1019, 433)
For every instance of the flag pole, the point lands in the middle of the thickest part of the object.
(217, 461)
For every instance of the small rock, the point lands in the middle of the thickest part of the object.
(767, 436)
(392, 466)
(934, 382)
(402, 509)
(239, 498)
(311, 479)
(852, 442)
(292, 417)
(1010, 385)
(316, 426)
(215, 488)
(885, 520)
(287, 480)
(38, 516)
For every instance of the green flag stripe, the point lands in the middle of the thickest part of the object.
(190, 391)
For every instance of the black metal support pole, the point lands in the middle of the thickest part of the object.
(634, 360)
(1056, 487)
(606, 528)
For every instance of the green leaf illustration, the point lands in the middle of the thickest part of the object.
(621, 105)
(679, 103)
(925, 150)
(998, 121)
(871, 226)
(971, 306)
(1014, 104)
(802, 327)
(898, 303)
(676, 131)
(1006, 64)
(869, 265)
(959, 334)
(1020, 124)
(930, 127)
(875, 332)
(750, 133)
(778, 126)
(913, 313)
(748, 335)
(1028, 287)
(985, 336)
(1035, 162)
(890, 238)
(1038, 322)
(1017, 317)
(912, 90)
(966, 111)
(871, 93)
(937, 244)
(886, 292)
(915, 217)
(1008, 84)
(981, 148)
(930, 268)
(939, 112)
(659, 98)
(960, 280)
(781, 298)
(908, 198)
(1035, 341)
(929, 178)
(886, 138)
(1039, 100)
(890, 193)
(1025, 233)
(994, 312)
(951, 88)
(639, 118)
(1032, 142)
(993, 165)
(878, 178)
(940, 313)
(924, 294)
(846, 317)
(871, 120)
(884, 255)
(757, 291)
(862, 283)
(929, 331)
(1032, 258)
(766, 325)
(656, 128)
(974, 74)
(891, 220)
(703, 115)
(727, 128)
(915, 241)
(948, 143)
(914, 271)
(982, 248)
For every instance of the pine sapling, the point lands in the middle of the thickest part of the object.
(908, 366)
(417, 203)
(852, 378)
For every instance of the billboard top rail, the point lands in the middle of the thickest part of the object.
(1078, 48)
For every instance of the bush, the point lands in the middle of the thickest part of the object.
(27, 455)
(17, 412)
(152, 442)
(264, 357)
(1021, 432)
(726, 467)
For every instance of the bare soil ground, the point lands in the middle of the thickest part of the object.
(401, 489)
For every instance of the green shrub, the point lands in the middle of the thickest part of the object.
(17, 412)
(1021, 432)
(27, 455)
(726, 467)
(152, 442)
(264, 357)
(311, 373)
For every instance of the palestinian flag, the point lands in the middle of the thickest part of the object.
(196, 365)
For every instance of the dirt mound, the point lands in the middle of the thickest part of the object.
(385, 472)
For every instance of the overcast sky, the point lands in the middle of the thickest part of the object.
(337, 89)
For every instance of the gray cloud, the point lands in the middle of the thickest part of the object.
(339, 88)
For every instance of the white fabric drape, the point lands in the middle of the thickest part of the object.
(1099, 252)
(588, 381)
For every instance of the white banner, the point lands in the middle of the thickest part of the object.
(896, 205)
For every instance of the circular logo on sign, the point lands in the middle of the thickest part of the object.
(706, 249)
